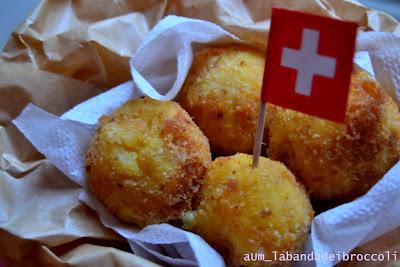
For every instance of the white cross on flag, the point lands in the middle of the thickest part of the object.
(309, 63)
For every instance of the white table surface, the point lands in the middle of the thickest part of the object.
(12, 14)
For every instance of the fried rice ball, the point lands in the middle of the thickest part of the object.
(247, 210)
(222, 94)
(147, 161)
(338, 162)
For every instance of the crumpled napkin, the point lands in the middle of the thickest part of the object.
(384, 52)
(159, 68)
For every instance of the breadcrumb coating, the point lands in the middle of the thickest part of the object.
(222, 94)
(147, 161)
(340, 161)
(246, 210)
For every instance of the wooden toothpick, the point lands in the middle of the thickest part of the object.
(259, 134)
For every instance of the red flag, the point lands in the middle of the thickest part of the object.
(309, 63)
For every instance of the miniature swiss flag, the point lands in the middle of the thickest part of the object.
(309, 63)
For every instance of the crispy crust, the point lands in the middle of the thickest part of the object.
(147, 161)
(340, 162)
(247, 210)
(222, 93)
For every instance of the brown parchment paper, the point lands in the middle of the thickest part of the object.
(69, 51)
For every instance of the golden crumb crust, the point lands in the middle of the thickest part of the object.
(246, 210)
(222, 94)
(147, 160)
(340, 161)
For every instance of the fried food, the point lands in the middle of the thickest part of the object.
(222, 94)
(147, 161)
(247, 210)
(335, 161)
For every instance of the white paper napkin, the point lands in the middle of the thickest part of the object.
(159, 68)
(384, 52)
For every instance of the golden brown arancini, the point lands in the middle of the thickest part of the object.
(147, 161)
(246, 210)
(222, 93)
(340, 161)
